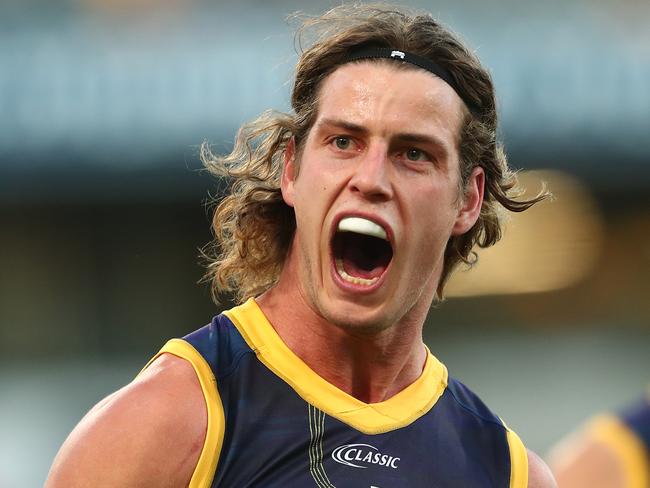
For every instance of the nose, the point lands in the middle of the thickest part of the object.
(371, 178)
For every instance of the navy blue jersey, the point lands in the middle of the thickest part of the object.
(274, 423)
(637, 418)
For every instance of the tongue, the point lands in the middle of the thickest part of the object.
(360, 264)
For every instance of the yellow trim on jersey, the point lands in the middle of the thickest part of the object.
(518, 460)
(370, 418)
(207, 464)
(628, 448)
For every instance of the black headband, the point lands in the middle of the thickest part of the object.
(419, 61)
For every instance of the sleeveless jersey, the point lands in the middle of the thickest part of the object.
(274, 423)
(637, 418)
(627, 434)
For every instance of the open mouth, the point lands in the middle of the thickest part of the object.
(361, 251)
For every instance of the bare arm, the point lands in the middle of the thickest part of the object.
(539, 474)
(583, 462)
(149, 433)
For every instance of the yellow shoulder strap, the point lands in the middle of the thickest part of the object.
(628, 448)
(518, 460)
(207, 464)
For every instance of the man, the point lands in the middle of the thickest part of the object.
(344, 222)
(611, 451)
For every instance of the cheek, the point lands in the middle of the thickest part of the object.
(309, 209)
(430, 247)
(431, 227)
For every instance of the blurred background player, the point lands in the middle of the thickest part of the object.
(611, 451)
(102, 211)
(344, 222)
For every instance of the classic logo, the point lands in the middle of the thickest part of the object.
(363, 455)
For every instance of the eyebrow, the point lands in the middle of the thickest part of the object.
(402, 137)
(343, 124)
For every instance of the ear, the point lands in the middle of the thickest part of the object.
(470, 209)
(289, 173)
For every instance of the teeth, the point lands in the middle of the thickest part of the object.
(352, 279)
(362, 226)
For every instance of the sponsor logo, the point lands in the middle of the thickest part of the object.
(363, 456)
(397, 54)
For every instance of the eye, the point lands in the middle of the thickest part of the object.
(342, 143)
(414, 154)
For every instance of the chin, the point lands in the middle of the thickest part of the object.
(353, 317)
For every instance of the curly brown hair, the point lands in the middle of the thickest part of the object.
(253, 226)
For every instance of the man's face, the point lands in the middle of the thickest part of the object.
(376, 194)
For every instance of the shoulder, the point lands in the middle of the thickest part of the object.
(471, 403)
(539, 474)
(220, 344)
(152, 429)
(585, 463)
(603, 453)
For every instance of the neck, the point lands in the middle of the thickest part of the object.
(370, 365)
